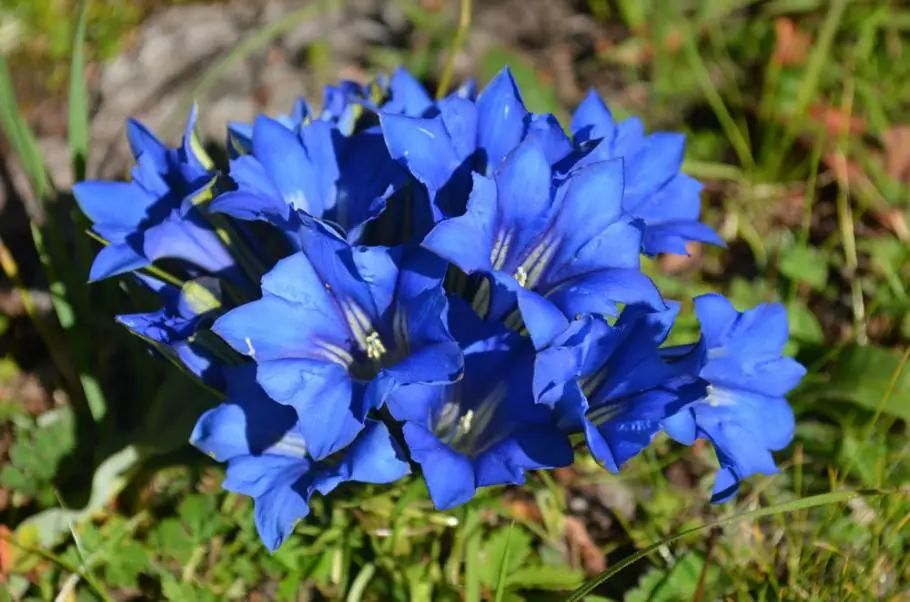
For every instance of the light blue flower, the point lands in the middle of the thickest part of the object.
(743, 375)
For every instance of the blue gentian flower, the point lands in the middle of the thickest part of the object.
(655, 190)
(486, 428)
(339, 328)
(559, 245)
(441, 149)
(343, 180)
(443, 295)
(743, 376)
(268, 457)
(173, 328)
(611, 382)
(155, 215)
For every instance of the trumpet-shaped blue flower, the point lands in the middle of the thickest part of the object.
(743, 377)
(343, 180)
(154, 215)
(339, 328)
(268, 460)
(610, 382)
(559, 245)
(173, 328)
(484, 429)
(442, 147)
(655, 190)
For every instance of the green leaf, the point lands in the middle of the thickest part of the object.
(512, 544)
(824, 499)
(545, 577)
(805, 264)
(678, 584)
(50, 526)
(20, 135)
(871, 377)
(804, 325)
(78, 99)
(504, 566)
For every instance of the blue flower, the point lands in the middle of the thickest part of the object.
(339, 328)
(155, 215)
(173, 329)
(562, 246)
(610, 382)
(343, 180)
(486, 428)
(268, 457)
(743, 376)
(655, 190)
(442, 147)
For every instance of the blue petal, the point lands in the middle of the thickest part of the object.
(286, 162)
(591, 203)
(408, 96)
(185, 239)
(248, 423)
(144, 142)
(321, 394)
(467, 240)
(449, 475)
(116, 259)
(113, 203)
(460, 118)
(655, 164)
(671, 237)
(524, 199)
(374, 457)
(546, 131)
(423, 145)
(597, 292)
(592, 120)
(530, 448)
(270, 480)
(500, 118)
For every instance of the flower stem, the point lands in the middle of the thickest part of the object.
(464, 22)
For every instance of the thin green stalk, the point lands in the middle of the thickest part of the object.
(502, 576)
(846, 225)
(464, 23)
(735, 136)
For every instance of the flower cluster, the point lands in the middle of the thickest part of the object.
(397, 283)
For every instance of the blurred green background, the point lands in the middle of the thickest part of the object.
(798, 121)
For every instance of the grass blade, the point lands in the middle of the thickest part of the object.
(20, 135)
(78, 99)
(504, 566)
(824, 499)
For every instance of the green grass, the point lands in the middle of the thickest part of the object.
(104, 500)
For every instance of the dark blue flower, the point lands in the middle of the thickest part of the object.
(154, 216)
(743, 376)
(339, 328)
(610, 382)
(655, 190)
(486, 428)
(343, 180)
(173, 329)
(268, 456)
(562, 246)
(442, 147)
